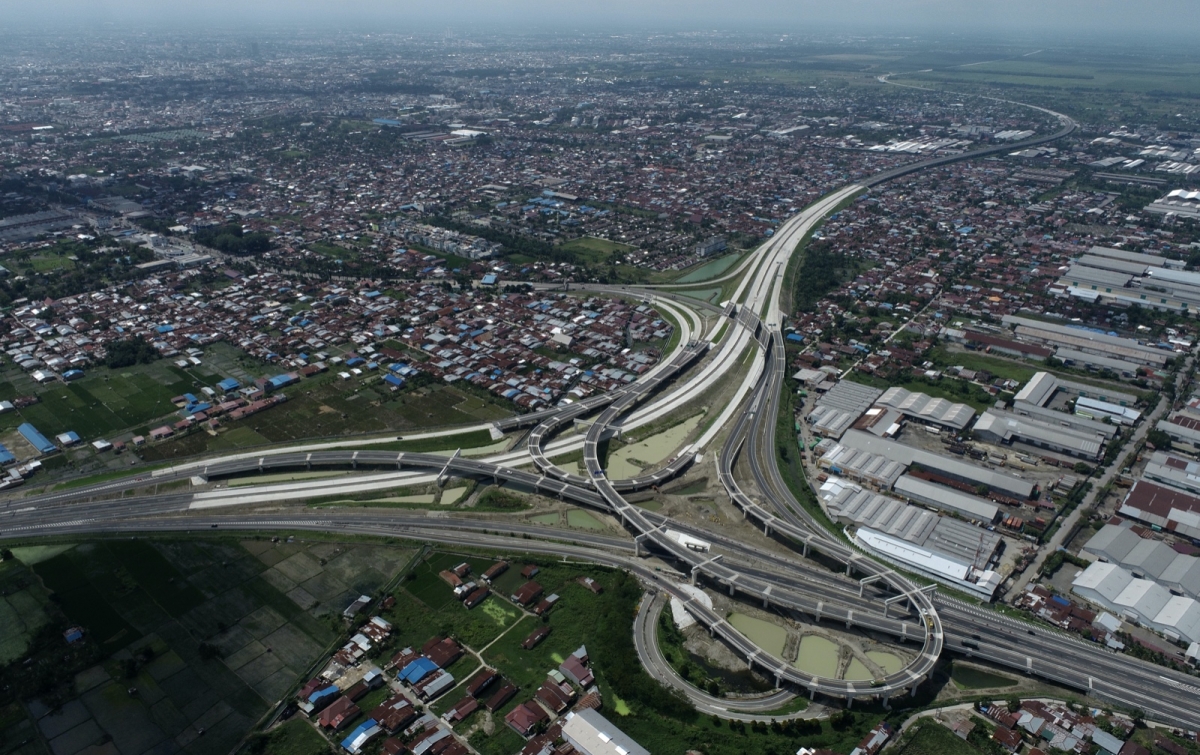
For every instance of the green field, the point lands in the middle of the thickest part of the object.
(943, 357)
(327, 407)
(209, 632)
(934, 739)
(22, 609)
(709, 269)
(1049, 70)
(595, 250)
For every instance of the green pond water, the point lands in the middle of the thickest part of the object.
(584, 520)
(767, 635)
(551, 519)
(888, 662)
(857, 672)
(817, 656)
(709, 269)
(630, 460)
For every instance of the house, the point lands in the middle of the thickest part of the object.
(461, 709)
(875, 739)
(358, 738)
(555, 695)
(575, 668)
(545, 604)
(494, 571)
(527, 593)
(530, 571)
(481, 682)
(443, 651)
(1008, 738)
(394, 713)
(591, 584)
(500, 697)
(477, 596)
(524, 718)
(359, 604)
(339, 714)
(535, 637)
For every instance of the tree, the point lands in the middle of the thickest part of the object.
(131, 351)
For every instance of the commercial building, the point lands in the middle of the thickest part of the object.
(945, 465)
(1096, 409)
(592, 734)
(940, 547)
(1166, 508)
(1063, 419)
(1088, 341)
(862, 466)
(840, 407)
(947, 499)
(1141, 601)
(1146, 558)
(1183, 427)
(1039, 390)
(920, 407)
(1179, 202)
(1095, 362)
(995, 427)
(1174, 471)
(928, 563)
(36, 439)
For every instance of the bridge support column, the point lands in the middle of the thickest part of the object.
(806, 550)
(731, 589)
(849, 619)
(849, 702)
(848, 568)
(913, 692)
(886, 705)
(812, 693)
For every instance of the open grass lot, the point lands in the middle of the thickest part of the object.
(209, 632)
(328, 407)
(594, 250)
(934, 739)
(296, 737)
(1055, 70)
(951, 389)
(943, 357)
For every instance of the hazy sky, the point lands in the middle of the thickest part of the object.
(1135, 17)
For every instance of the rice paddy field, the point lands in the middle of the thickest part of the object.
(190, 641)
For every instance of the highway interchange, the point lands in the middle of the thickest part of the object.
(828, 580)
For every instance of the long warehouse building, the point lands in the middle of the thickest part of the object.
(945, 464)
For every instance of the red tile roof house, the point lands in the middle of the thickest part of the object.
(1010, 739)
(339, 714)
(527, 593)
(525, 717)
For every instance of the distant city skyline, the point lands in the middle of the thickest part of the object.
(1160, 19)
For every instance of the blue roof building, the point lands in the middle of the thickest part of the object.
(36, 439)
(365, 732)
(323, 693)
(417, 670)
(393, 380)
(229, 384)
(489, 279)
(6, 456)
(72, 375)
